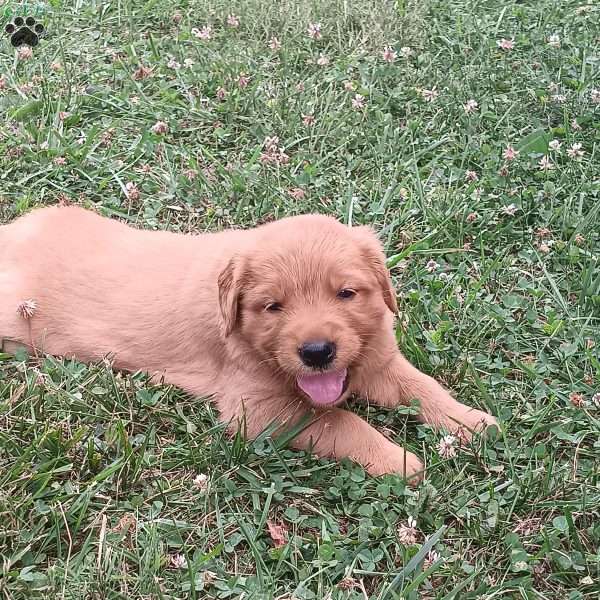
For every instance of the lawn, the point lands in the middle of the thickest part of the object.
(468, 133)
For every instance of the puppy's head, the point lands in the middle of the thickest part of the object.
(307, 298)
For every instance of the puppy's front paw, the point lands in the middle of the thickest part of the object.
(396, 460)
(465, 421)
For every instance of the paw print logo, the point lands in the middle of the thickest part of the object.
(24, 31)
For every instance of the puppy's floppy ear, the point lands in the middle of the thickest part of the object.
(230, 288)
(374, 256)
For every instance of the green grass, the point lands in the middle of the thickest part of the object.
(97, 493)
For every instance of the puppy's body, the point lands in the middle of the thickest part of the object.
(102, 288)
(226, 315)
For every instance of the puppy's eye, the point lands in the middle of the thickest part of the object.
(273, 307)
(346, 294)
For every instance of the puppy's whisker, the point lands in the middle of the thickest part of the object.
(278, 370)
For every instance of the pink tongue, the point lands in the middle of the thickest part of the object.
(324, 388)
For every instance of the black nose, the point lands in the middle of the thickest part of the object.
(317, 354)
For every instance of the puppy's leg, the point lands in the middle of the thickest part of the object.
(333, 433)
(338, 433)
(399, 382)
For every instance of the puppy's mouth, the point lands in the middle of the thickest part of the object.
(324, 389)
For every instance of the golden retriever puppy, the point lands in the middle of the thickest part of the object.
(278, 324)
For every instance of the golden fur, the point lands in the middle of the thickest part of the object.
(191, 310)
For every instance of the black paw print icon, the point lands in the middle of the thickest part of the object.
(24, 31)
